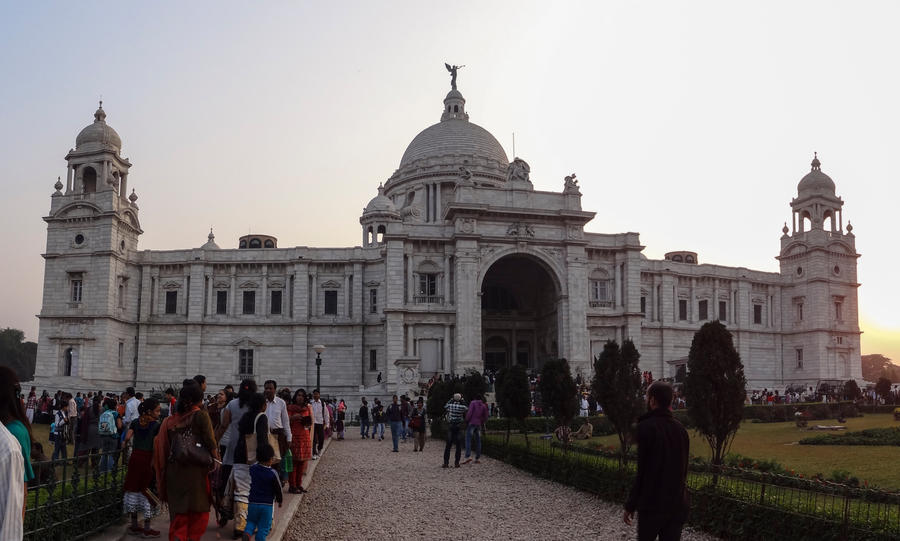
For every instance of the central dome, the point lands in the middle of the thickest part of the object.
(454, 135)
(99, 135)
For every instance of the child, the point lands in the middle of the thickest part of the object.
(265, 488)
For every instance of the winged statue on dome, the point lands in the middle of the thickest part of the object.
(452, 70)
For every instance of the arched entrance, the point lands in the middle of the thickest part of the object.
(519, 313)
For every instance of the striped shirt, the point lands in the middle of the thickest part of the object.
(456, 411)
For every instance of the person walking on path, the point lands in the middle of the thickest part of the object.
(88, 431)
(341, 416)
(476, 416)
(31, 406)
(182, 483)
(659, 494)
(417, 423)
(364, 419)
(456, 415)
(60, 433)
(406, 410)
(279, 423)
(72, 412)
(395, 417)
(301, 443)
(109, 427)
(265, 490)
(141, 433)
(320, 420)
(378, 420)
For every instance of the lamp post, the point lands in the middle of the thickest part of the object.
(318, 348)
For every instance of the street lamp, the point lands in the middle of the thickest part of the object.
(318, 348)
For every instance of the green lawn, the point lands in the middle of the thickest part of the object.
(879, 465)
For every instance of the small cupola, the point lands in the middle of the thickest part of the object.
(454, 106)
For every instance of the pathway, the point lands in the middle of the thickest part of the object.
(364, 491)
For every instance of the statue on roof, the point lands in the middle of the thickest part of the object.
(571, 185)
(452, 70)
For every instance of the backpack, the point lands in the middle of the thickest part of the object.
(107, 426)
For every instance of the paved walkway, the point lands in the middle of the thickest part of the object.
(364, 491)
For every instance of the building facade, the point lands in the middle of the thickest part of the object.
(463, 265)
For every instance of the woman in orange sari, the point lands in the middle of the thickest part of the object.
(184, 485)
(301, 443)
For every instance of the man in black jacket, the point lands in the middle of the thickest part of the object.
(659, 494)
(364, 419)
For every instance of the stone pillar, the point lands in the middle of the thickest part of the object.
(347, 292)
(265, 292)
(210, 301)
(468, 309)
(314, 294)
(410, 340)
(437, 204)
(123, 186)
(410, 279)
(446, 360)
(445, 280)
(359, 292)
(101, 182)
(68, 179)
(619, 289)
(233, 293)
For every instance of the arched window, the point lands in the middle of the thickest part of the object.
(242, 244)
(828, 221)
(89, 180)
(70, 362)
(677, 258)
(805, 221)
(689, 259)
(380, 237)
(269, 243)
(370, 236)
(255, 243)
(456, 108)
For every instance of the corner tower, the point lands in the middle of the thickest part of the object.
(820, 314)
(90, 306)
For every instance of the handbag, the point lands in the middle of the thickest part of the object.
(186, 450)
(250, 440)
(416, 422)
(288, 463)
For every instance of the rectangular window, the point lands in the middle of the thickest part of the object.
(703, 309)
(800, 311)
(644, 306)
(121, 295)
(599, 290)
(221, 302)
(171, 302)
(373, 360)
(757, 314)
(799, 357)
(331, 303)
(276, 302)
(723, 310)
(245, 362)
(249, 302)
(682, 309)
(838, 312)
(428, 285)
(373, 301)
(76, 290)
(121, 354)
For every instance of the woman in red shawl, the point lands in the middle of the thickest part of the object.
(184, 486)
(301, 443)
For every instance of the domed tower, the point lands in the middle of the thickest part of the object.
(452, 151)
(91, 282)
(819, 299)
(375, 219)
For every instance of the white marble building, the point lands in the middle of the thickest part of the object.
(463, 264)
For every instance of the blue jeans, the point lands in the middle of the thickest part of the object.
(473, 431)
(406, 431)
(396, 427)
(375, 428)
(259, 518)
(108, 445)
(452, 438)
(363, 427)
(59, 447)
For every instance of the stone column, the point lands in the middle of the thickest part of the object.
(468, 312)
(265, 292)
(101, 182)
(359, 291)
(210, 301)
(446, 360)
(123, 186)
(233, 293)
(437, 202)
(347, 293)
(314, 294)
(445, 280)
(619, 289)
(68, 179)
(411, 279)
(301, 293)
(410, 340)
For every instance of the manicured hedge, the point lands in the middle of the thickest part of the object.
(812, 411)
(870, 436)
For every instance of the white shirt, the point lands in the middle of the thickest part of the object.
(276, 411)
(12, 475)
(320, 412)
(131, 411)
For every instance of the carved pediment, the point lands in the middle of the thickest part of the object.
(758, 300)
(246, 342)
(331, 284)
(372, 283)
(222, 285)
(276, 285)
(172, 284)
(249, 284)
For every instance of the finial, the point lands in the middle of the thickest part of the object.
(380, 189)
(59, 184)
(785, 229)
(100, 114)
(133, 197)
(211, 236)
(849, 227)
(816, 164)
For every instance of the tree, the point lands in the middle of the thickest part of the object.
(851, 390)
(715, 387)
(474, 385)
(617, 388)
(883, 387)
(514, 397)
(876, 366)
(17, 354)
(559, 394)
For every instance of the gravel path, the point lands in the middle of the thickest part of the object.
(361, 490)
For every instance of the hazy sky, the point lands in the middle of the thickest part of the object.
(689, 122)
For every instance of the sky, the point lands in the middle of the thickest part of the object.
(688, 122)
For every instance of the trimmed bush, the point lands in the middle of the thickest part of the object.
(870, 436)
